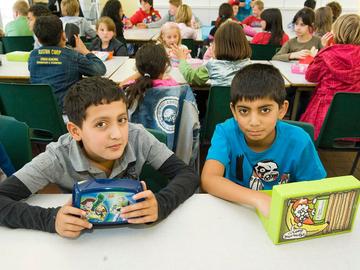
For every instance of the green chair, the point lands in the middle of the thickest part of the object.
(342, 121)
(36, 106)
(153, 179)
(307, 127)
(23, 43)
(263, 52)
(15, 136)
(218, 110)
(190, 43)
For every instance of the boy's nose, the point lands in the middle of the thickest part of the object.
(254, 120)
(115, 133)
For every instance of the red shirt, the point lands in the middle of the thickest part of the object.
(141, 16)
(252, 21)
(264, 38)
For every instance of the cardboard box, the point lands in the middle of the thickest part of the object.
(311, 209)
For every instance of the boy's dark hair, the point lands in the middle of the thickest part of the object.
(48, 30)
(90, 91)
(39, 9)
(273, 19)
(147, 1)
(258, 81)
(310, 4)
(151, 61)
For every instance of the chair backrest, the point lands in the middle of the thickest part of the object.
(218, 110)
(190, 43)
(342, 121)
(15, 136)
(33, 104)
(23, 43)
(153, 179)
(263, 52)
(307, 127)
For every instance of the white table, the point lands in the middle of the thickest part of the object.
(205, 233)
(296, 80)
(19, 70)
(129, 69)
(140, 35)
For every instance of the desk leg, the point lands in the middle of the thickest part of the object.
(296, 104)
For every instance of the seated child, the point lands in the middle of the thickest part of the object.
(310, 4)
(254, 151)
(157, 101)
(169, 36)
(170, 16)
(231, 53)
(36, 11)
(226, 13)
(235, 6)
(183, 19)
(114, 10)
(271, 23)
(57, 65)
(106, 40)
(336, 9)
(323, 21)
(19, 26)
(334, 69)
(244, 9)
(300, 46)
(146, 14)
(100, 144)
(70, 11)
(254, 20)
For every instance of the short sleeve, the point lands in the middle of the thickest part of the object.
(219, 149)
(309, 166)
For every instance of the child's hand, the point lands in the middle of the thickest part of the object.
(128, 23)
(326, 39)
(80, 46)
(313, 51)
(141, 25)
(300, 54)
(68, 222)
(263, 203)
(141, 212)
(179, 52)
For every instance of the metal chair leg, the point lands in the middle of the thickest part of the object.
(355, 163)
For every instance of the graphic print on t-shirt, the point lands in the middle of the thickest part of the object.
(264, 171)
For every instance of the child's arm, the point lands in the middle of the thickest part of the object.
(159, 23)
(284, 53)
(213, 182)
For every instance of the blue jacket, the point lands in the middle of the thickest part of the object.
(172, 110)
(61, 68)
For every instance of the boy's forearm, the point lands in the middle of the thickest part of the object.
(228, 190)
(15, 214)
(183, 184)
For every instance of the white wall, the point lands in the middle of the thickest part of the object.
(207, 10)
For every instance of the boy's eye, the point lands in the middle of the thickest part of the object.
(243, 111)
(123, 120)
(265, 110)
(100, 125)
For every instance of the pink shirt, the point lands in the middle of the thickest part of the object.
(187, 32)
(164, 82)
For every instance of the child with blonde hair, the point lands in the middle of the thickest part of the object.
(19, 26)
(334, 69)
(183, 18)
(170, 35)
(106, 40)
(70, 10)
(323, 21)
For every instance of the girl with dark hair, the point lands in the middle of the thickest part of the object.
(271, 23)
(299, 47)
(113, 9)
(225, 13)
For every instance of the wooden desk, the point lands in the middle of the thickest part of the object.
(296, 80)
(18, 71)
(204, 233)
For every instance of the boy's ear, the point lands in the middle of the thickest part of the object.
(232, 108)
(74, 130)
(283, 109)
